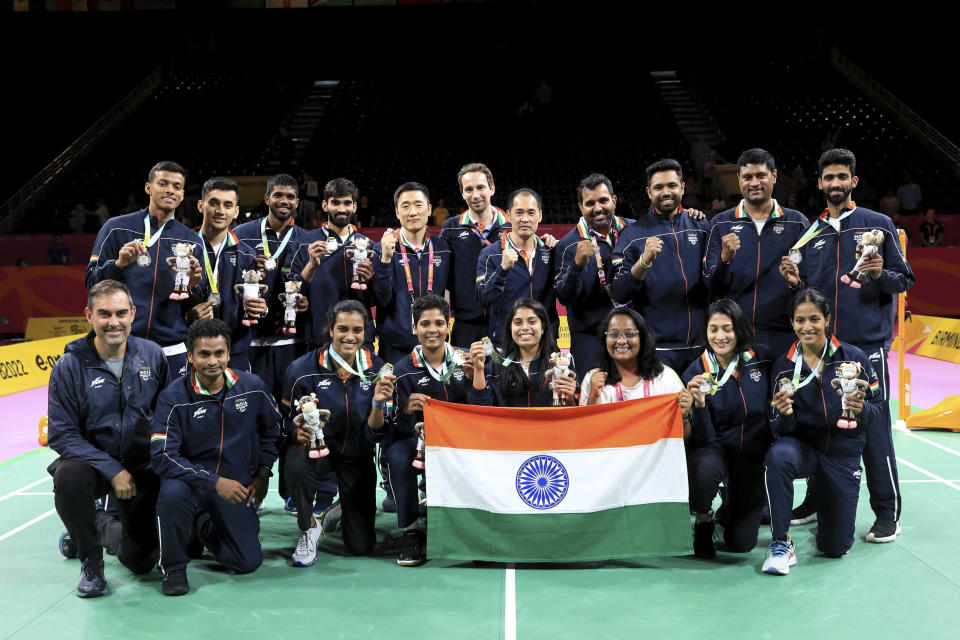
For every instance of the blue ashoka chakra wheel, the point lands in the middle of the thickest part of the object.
(542, 482)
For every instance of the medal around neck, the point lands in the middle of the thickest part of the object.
(144, 258)
(709, 385)
(795, 256)
(488, 348)
(214, 299)
(457, 358)
(332, 245)
(270, 264)
(786, 385)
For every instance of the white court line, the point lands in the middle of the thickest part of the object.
(510, 603)
(35, 493)
(931, 442)
(952, 485)
(27, 524)
(24, 488)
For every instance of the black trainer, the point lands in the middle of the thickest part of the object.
(175, 583)
(68, 548)
(703, 546)
(330, 521)
(803, 514)
(884, 531)
(413, 548)
(389, 504)
(92, 582)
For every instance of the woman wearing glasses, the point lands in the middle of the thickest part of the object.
(629, 368)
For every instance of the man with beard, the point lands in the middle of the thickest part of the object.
(585, 269)
(862, 314)
(134, 249)
(658, 260)
(101, 396)
(745, 247)
(467, 234)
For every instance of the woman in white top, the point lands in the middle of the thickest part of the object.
(629, 368)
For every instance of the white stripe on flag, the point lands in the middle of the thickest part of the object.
(598, 478)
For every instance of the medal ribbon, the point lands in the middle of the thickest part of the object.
(796, 368)
(477, 227)
(587, 232)
(343, 363)
(229, 241)
(446, 369)
(266, 244)
(714, 366)
(342, 243)
(149, 240)
(619, 389)
(816, 228)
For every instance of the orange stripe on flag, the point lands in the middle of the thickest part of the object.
(608, 426)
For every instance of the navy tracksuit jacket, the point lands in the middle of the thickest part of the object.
(537, 394)
(466, 242)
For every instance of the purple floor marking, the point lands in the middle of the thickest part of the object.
(931, 380)
(18, 430)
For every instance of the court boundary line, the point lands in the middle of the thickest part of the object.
(952, 485)
(931, 442)
(27, 524)
(25, 487)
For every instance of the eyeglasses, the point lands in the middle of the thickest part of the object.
(626, 335)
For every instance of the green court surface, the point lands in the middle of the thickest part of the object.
(906, 589)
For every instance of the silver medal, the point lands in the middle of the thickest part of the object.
(144, 260)
(214, 299)
(705, 387)
(270, 264)
(795, 256)
(457, 358)
(786, 386)
(332, 245)
(487, 347)
(385, 370)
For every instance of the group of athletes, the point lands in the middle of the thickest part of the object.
(166, 420)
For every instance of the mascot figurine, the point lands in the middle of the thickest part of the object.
(421, 446)
(289, 298)
(868, 247)
(562, 366)
(249, 289)
(845, 385)
(360, 252)
(313, 420)
(180, 262)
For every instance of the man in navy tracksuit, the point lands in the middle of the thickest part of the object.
(659, 260)
(863, 310)
(519, 266)
(134, 249)
(101, 395)
(323, 259)
(223, 265)
(745, 247)
(467, 234)
(429, 371)
(585, 269)
(412, 263)
(215, 437)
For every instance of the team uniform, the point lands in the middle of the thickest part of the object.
(752, 279)
(331, 281)
(449, 384)
(158, 318)
(585, 291)
(810, 445)
(466, 240)
(198, 438)
(348, 436)
(410, 275)
(530, 277)
(223, 267)
(537, 393)
(671, 295)
(100, 425)
(864, 318)
(728, 440)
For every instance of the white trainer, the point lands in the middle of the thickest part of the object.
(306, 552)
(780, 557)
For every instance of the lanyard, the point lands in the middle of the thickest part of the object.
(406, 265)
(212, 272)
(714, 367)
(343, 363)
(330, 234)
(586, 232)
(530, 262)
(446, 368)
(149, 241)
(266, 245)
(477, 227)
(796, 369)
(619, 389)
(816, 229)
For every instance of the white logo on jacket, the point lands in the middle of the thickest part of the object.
(323, 384)
(692, 237)
(199, 413)
(463, 234)
(241, 404)
(545, 257)
(755, 375)
(736, 228)
(424, 381)
(778, 228)
(820, 243)
(145, 373)
(97, 383)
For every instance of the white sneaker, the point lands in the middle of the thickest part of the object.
(306, 552)
(780, 557)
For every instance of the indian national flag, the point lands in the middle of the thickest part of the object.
(556, 485)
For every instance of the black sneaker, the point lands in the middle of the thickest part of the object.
(413, 548)
(389, 504)
(175, 583)
(803, 514)
(68, 548)
(703, 546)
(330, 521)
(884, 531)
(92, 583)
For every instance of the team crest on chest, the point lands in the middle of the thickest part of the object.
(365, 385)
(458, 374)
(437, 261)
(778, 228)
(241, 404)
(692, 237)
(755, 375)
(145, 373)
(545, 257)
(233, 259)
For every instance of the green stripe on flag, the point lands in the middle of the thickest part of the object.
(657, 529)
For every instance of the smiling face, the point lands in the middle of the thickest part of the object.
(721, 336)
(165, 191)
(347, 334)
(209, 358)
(810, 325)
(339, 210)
(665, 191)
(837, 183)
(476, 191)
(219, 209)
(598, 207)
(432, 329)
(525, 216)
(756, 183)
(413, 209)
(623, 339)
(111, 316)
(282, 201)
(526, 329)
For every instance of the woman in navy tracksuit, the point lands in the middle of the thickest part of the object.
(517, 380)
(343, 376)
(730, 431)
(809, 443)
